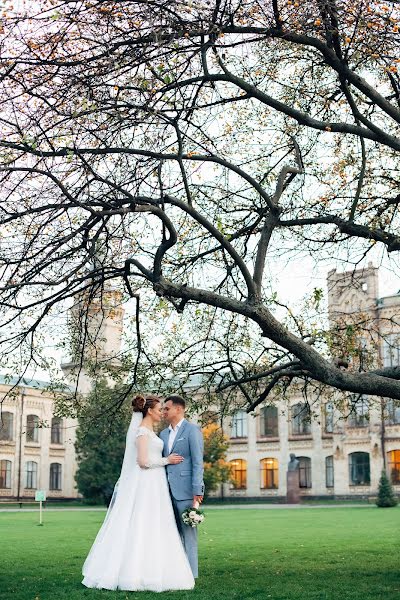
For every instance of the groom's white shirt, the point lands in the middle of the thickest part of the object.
(173, 433)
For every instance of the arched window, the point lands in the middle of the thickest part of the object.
(301, 419)
(6, 426)
(359, 468)
(239, 424)
(32, 428)
(329, 474)
(269, 421)
(31, 475)
(269, 473)
(304, 471)
(394, 466)
(359, 412)
(55, 476)
(5, 474)
(239, 473)
(56, 430)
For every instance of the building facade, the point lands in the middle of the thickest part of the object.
(36, 447)
(341, 453)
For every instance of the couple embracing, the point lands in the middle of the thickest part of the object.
(143, 543)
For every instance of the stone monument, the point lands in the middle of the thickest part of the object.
(293, 482)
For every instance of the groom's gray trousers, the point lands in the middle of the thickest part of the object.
(188, 534)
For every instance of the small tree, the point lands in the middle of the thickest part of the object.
(216, 469)
(386, 495)
(100, 444)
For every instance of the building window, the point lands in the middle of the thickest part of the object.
(391, 350)
(239, 424)
(56, 430)
(394, 466)
(32, 428)
(329, 478)
(55, 476)
(359, 467)
(269, 421)
(304, 471)
(31, 475)
(6, 426)
(328, 417)
(239, 474)
(359, 412)
(392, 412)
(5, 474)
(269, 474)
(301, 419)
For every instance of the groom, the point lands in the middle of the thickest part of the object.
(186, 478)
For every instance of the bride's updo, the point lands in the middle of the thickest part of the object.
(143, 403)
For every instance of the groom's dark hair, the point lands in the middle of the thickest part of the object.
(175, 399)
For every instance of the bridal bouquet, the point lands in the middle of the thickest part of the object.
(192, 516)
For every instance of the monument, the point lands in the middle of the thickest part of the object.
(292, 481)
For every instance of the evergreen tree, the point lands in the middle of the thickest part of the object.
(100, 443)
(386, 495)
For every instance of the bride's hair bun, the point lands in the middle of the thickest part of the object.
(138, 403)
(142, 404)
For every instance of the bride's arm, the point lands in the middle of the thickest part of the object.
(142, 442)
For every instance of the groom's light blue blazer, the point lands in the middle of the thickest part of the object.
(185, 479)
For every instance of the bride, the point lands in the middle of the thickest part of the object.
(138, 546)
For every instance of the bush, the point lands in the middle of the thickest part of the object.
(216, 469)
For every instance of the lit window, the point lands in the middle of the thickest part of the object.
(359, 412)
(5, 474)
(6, 426)
(55, 476)
(56, 430)
(239, 424)
(329, 478)
(269, 473)
(32, 428)
(269, 421)
(394, 466)
(304, 471)
(391, 350)
(239, 474)
(301, 419)
(359, 467)
(31, 475)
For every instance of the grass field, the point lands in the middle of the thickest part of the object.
(302, 554)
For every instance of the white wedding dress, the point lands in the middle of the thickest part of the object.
(138, 546)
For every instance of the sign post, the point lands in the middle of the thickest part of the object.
(40, 496)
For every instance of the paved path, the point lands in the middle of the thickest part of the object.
(206, 507)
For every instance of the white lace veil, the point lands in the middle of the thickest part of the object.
(109, 545)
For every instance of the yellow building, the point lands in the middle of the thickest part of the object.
(340, 455)
(36, 448)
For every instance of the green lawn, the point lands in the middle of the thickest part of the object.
(301, 554)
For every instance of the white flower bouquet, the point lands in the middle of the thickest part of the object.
(192, 516)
